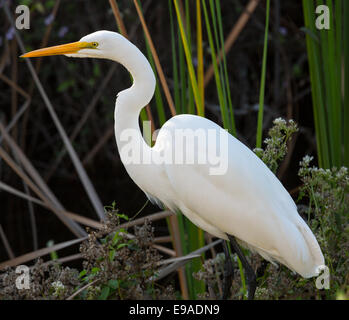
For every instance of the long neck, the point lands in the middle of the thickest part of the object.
(130, 102)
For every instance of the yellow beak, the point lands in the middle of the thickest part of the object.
(73, 47)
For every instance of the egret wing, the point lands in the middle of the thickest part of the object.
(246, 200)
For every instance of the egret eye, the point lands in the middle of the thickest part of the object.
(94, 44)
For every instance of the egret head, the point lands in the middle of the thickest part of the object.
(100, 44)
(113, 46)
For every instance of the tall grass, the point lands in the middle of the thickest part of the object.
(186, 86)
(262, 85)
(189, 91)
(216, 43)
(328, 58)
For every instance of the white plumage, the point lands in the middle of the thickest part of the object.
(247, 202)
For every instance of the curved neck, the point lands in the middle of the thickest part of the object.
(130, 102)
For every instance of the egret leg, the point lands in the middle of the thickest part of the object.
(228, 272)
(250, 275)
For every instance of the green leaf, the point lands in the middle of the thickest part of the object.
(123, 216)
(26, 2)
(111, 255)
(82, 273)
(113, 283)
(104, 294)
(116, 238)
(96, 70)
(53, 254)
(95, 270)
(66, 85)
(263, 80)
(121, 245)
(39, 7)
(49, 4)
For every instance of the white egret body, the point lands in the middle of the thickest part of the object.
(247, 202)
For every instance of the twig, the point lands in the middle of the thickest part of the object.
(78, 218)
(118, 18)
(20, 194)
(171, 260)
(174, 266)
(82, 289)
(101, 142)
(15, 86)
(164, 239)
(152, 217)
(39, 253)
(163, 249)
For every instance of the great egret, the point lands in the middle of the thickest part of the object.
(244, 203)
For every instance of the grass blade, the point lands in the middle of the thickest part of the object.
(262, 86)
(346, 82)
(222, 104)
(200, 54)
(193, 81)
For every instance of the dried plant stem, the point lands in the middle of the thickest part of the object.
(39, 253)
(82, 289)
(14, 86)
(73, 227)
(176, 265)
(6, 243)
(99, 145)
(78, 218)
